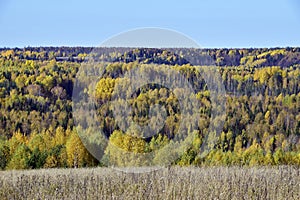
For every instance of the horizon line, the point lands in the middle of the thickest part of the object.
(83, 46)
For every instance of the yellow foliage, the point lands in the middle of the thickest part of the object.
(105, 88)
(77, 154)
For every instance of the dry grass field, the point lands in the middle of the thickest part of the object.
(174, 183)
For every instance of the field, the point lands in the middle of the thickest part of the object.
(174, 183)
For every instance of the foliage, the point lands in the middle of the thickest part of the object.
(262, 121)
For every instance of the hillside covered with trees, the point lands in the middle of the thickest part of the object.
(261, 123)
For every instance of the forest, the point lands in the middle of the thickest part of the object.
(260, 125)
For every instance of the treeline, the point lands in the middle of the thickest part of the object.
(255, 57)
(261, 122)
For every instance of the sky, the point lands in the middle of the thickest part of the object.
(210, 23)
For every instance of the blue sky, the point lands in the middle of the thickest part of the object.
(211, 23)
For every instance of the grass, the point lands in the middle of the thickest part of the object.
(174, 183)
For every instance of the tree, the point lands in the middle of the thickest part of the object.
(48, 82)
(126, 150)
(4, 154)
(104, 88)
(36, 159)
(59, 92)
(35, 90)
(19, 158)
(77, 154)
(20, 82)
(15, 141)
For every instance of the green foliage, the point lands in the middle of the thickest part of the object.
(19, 158)
(36, 159)
(4, 154)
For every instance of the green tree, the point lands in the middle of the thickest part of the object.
(4, 154)
(36, 159)
(19, 158)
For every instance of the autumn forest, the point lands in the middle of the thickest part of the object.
(260, 122)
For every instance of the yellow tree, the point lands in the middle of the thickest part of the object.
(16, 140)
(77, 154)
(125, 150)
(60, 136)
(104, 88)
